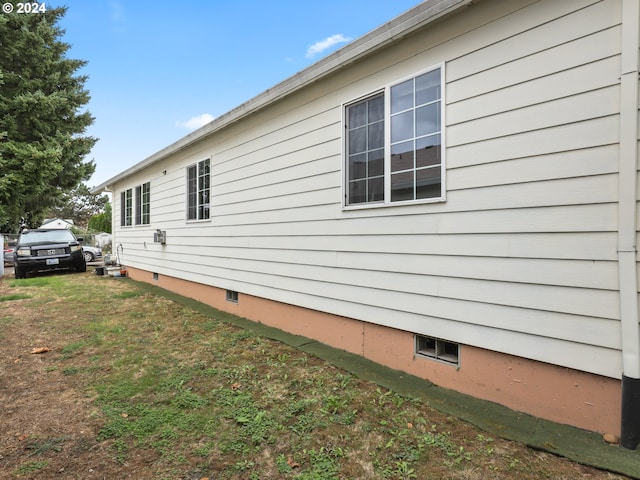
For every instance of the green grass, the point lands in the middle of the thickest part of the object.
(189, 392)
(243, 398)
(15, 296)
(46, 445)
(30, 467)
(54, 282)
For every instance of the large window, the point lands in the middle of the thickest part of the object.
(198, 190)
(143, 204)
(394, 144)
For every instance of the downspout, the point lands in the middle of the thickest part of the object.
(627, 195)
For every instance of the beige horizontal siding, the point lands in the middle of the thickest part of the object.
(521, 258)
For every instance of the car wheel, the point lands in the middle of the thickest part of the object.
(81, 268)
(88, 256)
(19, 273)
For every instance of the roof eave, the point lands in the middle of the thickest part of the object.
(401, 26)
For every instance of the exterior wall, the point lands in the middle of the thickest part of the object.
(558, 394)
(520, 260)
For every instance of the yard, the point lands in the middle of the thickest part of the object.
(100, 379)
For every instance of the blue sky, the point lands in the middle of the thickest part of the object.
(158, 69)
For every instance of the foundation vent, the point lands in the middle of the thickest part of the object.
(442, 350)
(232, 296)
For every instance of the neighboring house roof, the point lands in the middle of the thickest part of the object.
(57, 223)
(401, 26)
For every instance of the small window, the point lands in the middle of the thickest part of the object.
(143, 203)
(126, 208)
(155, 276)
(232, 296)
(442, 350)
(198, 190)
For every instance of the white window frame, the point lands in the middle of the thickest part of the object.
(142, 204)
(386, 92)
(135, 208)
(200, 206)
(126, 207)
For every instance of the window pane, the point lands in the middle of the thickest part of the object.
(376, 189)
(123, 210)
(416, 145)
(365, 151)
(428, 151)
(146, 201)
(138, 205)
(376, 136)
(376, 109)
(129, 207)
(428, 183)
(357, 115)
(357, 166)
(376, 163)
(358, 191)
(192, 192)
(428, 87)
(402, 96)
(402, 186)
(358, 140)
(145, 214)
(402, 126)
(203, 182)
(428, 119)
(402, 156)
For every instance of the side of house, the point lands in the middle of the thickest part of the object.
(441, 196)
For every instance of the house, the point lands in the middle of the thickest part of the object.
(102, 239)
(57, 223)
(452, 195)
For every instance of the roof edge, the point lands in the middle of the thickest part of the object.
(400, 26)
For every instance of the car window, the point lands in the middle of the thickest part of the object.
(35, 237)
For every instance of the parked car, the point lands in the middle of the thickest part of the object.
(45, 249)
(91, 254)
(8, 253)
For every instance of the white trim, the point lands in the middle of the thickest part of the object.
(186, 184)
(386, 91)
(628, 190)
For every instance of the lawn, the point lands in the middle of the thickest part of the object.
(131, 384)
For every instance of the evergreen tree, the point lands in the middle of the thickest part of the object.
(102, 221)
(79, 205)
(43, 119)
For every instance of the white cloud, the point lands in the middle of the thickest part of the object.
(329, 42)
(117, 11)
(196, 122)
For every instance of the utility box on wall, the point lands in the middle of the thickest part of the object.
(160, 236)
